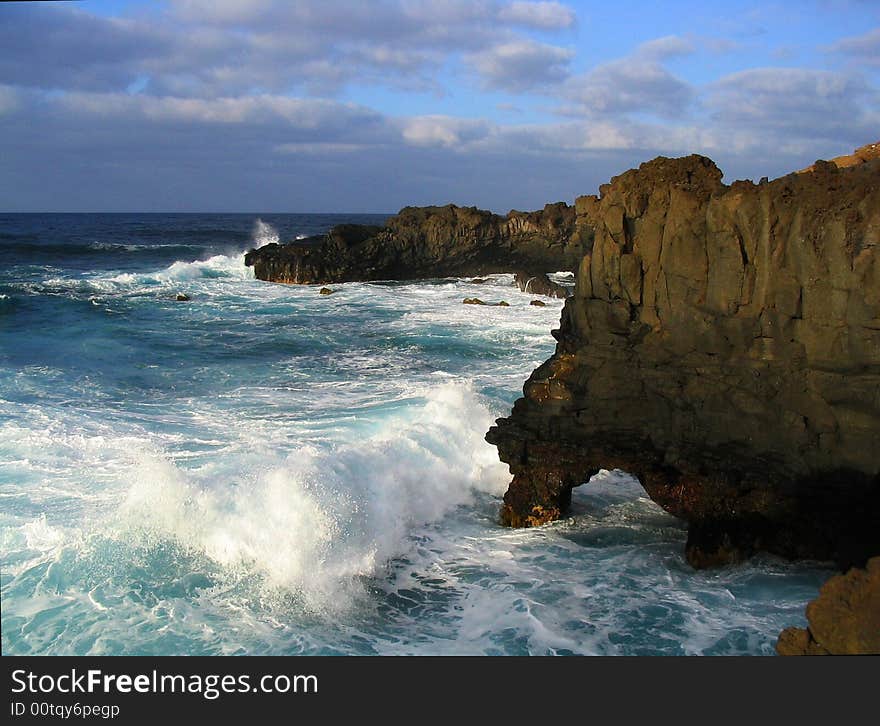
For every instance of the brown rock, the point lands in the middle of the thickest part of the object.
(477, 301)
(843, 620)
(723, 345)
(797, 641)
(538, 303)
(326, 291)
(182, 297)
(862, 155)
(429, 242)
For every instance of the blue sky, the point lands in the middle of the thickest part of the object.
(342, 105)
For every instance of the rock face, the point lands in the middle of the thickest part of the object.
(427, 242)
(723, 345)
(843, 620)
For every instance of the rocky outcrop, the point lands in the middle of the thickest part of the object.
(862, 155)
(477, 301)
(429, 242)
(722, 344)
(540, 284)
(843, 620)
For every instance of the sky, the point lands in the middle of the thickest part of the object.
(353, 106)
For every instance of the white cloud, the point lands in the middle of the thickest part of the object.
(637, 83)
(522, 65)
(443, 131)
(862, 48)
(547, 15)
(227, 91)
(203, 48)
(631, 85)
(788, 97)
(317, 115)
(669, 46)
(318, 148)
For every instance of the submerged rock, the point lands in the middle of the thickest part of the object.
(477, 301)
(843, 620)
(723, 345)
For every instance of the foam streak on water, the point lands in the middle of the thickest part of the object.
(262, 469)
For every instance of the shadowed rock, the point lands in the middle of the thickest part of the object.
(429, 242)
(723, 345)
(540, 284)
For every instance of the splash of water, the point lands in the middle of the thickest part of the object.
(264, 233)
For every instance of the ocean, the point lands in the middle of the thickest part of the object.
(265, 470)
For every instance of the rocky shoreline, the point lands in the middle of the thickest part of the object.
(432, 242)
(843, 620)
(723, 345)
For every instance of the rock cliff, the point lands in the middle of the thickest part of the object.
(843, 620)
(723, 345)
(426, 242)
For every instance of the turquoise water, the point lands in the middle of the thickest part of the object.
(264, 470)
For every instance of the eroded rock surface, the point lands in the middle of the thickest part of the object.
(429, 242)
(843, 620)
(723, 345)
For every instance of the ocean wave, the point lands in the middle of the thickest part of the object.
(94, 249)
(312, 524)
(218, 267)
(120, 247)
(321, 519)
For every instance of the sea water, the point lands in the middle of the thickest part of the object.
(266, 470)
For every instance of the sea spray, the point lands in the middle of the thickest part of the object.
(317, 519)
(264, 233)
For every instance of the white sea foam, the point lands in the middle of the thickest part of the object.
(138, 247)
(314, 522)
(218, 266)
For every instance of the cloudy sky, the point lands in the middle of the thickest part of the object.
(346, 105)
